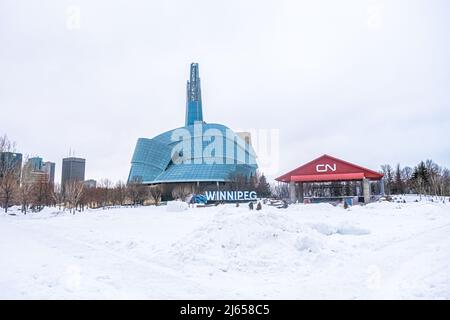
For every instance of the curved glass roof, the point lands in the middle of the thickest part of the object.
(198, 152)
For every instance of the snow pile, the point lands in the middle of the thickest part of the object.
(177, 206)
(343, 228)
(346, 228)
(251, 241)
(308, 243)
(379, 251)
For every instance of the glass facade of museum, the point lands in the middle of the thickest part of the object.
(197, 152)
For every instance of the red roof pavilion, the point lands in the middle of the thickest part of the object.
(327, 168)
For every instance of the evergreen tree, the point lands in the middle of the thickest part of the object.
(399, 186)
(420, 178)
(263, 188)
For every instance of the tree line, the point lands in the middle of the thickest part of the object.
(34, 195)
(427, 177)
(77, 196)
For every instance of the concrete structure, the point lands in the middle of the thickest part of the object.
(328, 178)
(73, 169)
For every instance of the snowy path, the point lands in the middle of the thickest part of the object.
(99, 270)
(315, 251)
(58, 265)
(416, 265)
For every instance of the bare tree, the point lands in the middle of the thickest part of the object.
(58, 195)
(388, 178)
(419, 186)
(6, 145)
(281, 190)
(434, 172)
(156, 193)
(105, 188)
(181, 191)
(9, 174)
(42, 194)
(407, 173)
(120, 193)
(25, 196)
(73, 192)
(136, 191)
(8, 189)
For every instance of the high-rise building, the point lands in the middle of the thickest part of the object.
(72, 170)
(31, 177)
(49, 168)
(35, 163)
(12, 162)
(36, 170)
(194, 110)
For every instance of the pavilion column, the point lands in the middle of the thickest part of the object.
(366, 190)
(196, 186)
(300, 192)
(381, 182)
(292, 195)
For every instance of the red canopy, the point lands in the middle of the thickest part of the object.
(328, 177)
(328, 168)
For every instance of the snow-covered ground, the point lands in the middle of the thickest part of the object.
(382, 250)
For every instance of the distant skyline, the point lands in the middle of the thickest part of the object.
(363, 80)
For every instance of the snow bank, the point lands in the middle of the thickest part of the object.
(177, 206)
(308, 243)
(346, 228)
(382, 250)
(250, 241)
(343, 228)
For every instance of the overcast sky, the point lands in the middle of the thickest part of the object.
(366, 81)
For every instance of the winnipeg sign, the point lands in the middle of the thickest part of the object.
(231, 195)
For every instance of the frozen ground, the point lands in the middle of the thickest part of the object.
(383, 250)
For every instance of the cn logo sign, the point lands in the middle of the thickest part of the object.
(326, 167)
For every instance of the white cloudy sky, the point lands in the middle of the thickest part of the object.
(364, 80)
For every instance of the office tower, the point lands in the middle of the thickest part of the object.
(11, 162)
(72, 170)
(35, 163)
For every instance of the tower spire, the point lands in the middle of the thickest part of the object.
(194, 110)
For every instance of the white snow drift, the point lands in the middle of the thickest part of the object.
(382, 250)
